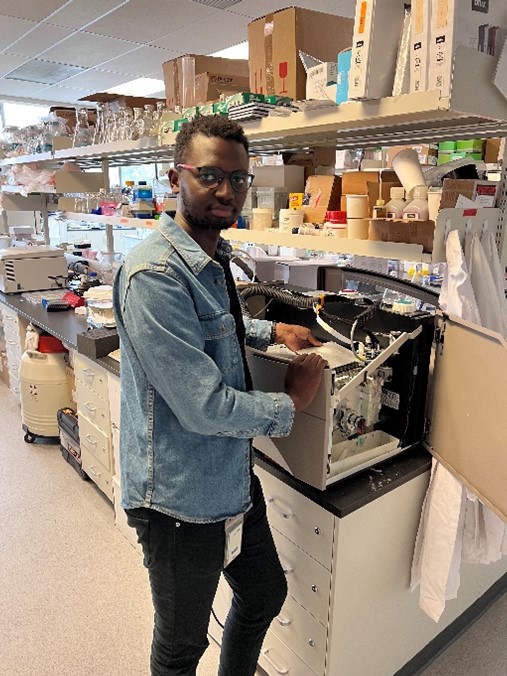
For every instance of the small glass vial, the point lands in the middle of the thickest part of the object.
(417, 209)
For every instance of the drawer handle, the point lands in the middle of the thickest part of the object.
(284, 514)
(11, 342)
(91, 439)
(279, 669)
(283, 621)
(90, 407)
(14, 367)
(286, 568)
(15, 390)
(91, 469)
(89, 373)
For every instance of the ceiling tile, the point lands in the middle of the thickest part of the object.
(208, 35)
(64, 94)
(9, 62)
(259, 7)
(19, 88)
(85, 49)
(80, 13)
(12, 29)
(144, 20)
(98, 80)
(30, 9)
(38, 40)
(145, 61)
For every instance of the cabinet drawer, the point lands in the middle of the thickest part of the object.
(93, 407)
(91, 374)
(309, 582)
(14, 386)
(278, 660)
(114, 398)
(8, 314)
(12, 347)
(98, 442)
(13, 365)
(96, 471)
(308, 525)
(302, 633)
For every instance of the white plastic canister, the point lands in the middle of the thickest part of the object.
(43, 389)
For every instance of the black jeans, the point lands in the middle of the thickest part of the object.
(184, 562)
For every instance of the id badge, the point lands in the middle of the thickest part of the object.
(233, 535)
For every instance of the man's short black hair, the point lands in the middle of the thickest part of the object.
(214, 126)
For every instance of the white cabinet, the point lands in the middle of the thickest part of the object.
(14, 336)
(94, 423)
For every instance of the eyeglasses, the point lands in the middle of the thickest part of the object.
(212, 177)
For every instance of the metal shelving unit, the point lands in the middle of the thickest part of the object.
(475, 108)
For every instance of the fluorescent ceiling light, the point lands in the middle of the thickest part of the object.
(142, 86)
(239, 51)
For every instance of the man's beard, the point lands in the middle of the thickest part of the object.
(210, 223)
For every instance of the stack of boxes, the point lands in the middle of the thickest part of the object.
(456, 150)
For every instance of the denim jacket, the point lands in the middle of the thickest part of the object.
(186, 419)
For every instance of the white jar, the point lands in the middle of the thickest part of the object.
(395, 206)
(290, 218)
(417, 209)
(358, 206)
(262, 219)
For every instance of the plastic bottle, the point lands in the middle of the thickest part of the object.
(143, 192)
(379, 210)
(336, 223)
(417, 209)
(395, 206)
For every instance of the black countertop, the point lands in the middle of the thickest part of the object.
(352, 493)
(342, 498)
(63, 325)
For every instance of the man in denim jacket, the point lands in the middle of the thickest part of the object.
(188, 413)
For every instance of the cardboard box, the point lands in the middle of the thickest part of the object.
(492, 150)
(275, 41)
(322, 194)
(79, 181)
(413, 232)
(173, 74)
(480, 24)
(116, 101)
(419, 45)
(280, 176)
(209, 86)
(378, 25)
(356, 182)
(376, 191)
(427, 153)
(483, 192)
(318, 78)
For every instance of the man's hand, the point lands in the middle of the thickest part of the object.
(295, 337)
(303, 378)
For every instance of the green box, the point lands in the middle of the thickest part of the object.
(447, 146)
(177, 124)
(190, 113)
(278, 100)
(244, 97)
(473, 145)
(443, 158)
(220, 108)
(206, 109)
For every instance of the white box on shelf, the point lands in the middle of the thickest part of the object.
(479, 24)
(377, 29)
(318, 78)
(419, 44)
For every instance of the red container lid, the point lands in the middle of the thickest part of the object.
(51, 344)
(336, 217)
